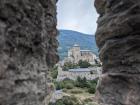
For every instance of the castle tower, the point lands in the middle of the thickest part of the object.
(76, 52)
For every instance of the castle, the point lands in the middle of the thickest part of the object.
(75, 54)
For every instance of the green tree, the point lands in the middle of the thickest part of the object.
(91, 72)
(54, 72)
(69, 65)
(81, 82)
(84, 81)
(69, 86)
(67, 101)
(92, 89)
(84, 64)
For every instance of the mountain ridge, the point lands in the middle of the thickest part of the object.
(67, 38)
(76, 32)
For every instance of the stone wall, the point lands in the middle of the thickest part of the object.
(28, 48)
(118, 38)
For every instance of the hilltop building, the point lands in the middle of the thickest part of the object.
(75, 54)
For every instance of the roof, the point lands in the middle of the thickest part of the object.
(88, 51)
(75, 45)
(80, 70)
(85, 50)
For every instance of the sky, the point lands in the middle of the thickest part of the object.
(77, 15)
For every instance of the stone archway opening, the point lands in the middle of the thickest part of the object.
(76, 24)
(28, 48)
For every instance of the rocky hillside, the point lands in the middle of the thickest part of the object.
(28, 48)
(67, 38)
(118, 38)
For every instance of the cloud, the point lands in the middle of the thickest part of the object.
(78, 15)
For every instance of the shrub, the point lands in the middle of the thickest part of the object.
(69, 65)
(69, 86)
(96, 65)
(76, 91)
(91, 72)
(59, 85)
(81, 82)
(65, 90)
(67, 101)
(84, 64)
(88, 100)
(92, 89)
(90, 85)
(54, 72)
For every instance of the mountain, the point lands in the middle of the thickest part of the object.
(68, 38)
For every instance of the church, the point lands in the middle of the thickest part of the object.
(75, 54)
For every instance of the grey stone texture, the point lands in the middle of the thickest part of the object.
(28, 48)
(118, 39)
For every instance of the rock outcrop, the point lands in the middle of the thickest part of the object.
(28, 48)
(118, 38)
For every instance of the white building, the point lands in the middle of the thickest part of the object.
(75, 54)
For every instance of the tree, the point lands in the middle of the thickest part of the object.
(69, 86)
(96, 62)
(92, 89)
(54, 72)
(81, 82)
(84, 81)
(66, 100)
(69, 65)
(84, 64)
(91, 72)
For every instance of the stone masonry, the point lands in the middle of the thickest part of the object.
(28, 48)
(118, 38)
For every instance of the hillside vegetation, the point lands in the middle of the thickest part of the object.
(68, 38)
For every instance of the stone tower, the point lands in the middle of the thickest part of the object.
(76, 52)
